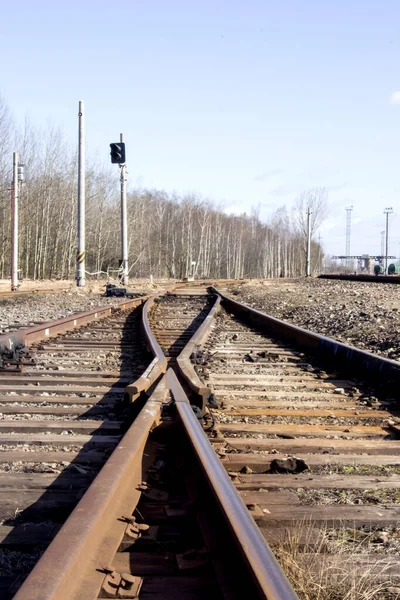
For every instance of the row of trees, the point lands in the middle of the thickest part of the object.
(166, 232)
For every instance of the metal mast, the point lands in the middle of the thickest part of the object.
(308, 251)
(80, 253)
(383, 243)
(348, 233)
(387, 212)
(14, 219)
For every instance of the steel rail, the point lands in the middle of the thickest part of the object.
(265, 569)
(71, 567)
(158, 365)
(186, 366)
(341, 356)
(363, 278)
(74, 565)
(8, 294)
(29, 335)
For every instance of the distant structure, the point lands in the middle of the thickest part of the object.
(348, 233)
(383, 242)
(365, 263)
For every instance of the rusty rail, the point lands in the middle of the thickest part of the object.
(343, 357)
(159, 364)
(30, 335)
(34, 292)
(186, 366)
(74, 565)
(265, 570)
(71, 567)
(364, 278)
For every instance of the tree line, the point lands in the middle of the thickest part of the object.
(167, 232)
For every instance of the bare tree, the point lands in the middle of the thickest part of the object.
(166, 232)
(315, 202)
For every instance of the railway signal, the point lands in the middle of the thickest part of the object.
(118, 156)
(118, 153)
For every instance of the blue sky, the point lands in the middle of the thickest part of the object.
(248, 103)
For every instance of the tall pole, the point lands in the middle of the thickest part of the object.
(348, 233)
(308, 255)
(80, 253)
(124, 224)
(320, 269)
(387, 212)
(382, 244)
(14, 218)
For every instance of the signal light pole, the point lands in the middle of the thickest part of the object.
(124, 223)
(118, 157)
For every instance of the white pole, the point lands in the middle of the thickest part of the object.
(124, 224)
(387, 243)
(388, 211)
(80, 254)
(308, 261)
(14, 218)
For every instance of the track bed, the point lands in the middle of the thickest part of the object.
(314, 455)
(61, 415)
(296, 452)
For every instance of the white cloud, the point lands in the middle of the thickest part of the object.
(395, 98)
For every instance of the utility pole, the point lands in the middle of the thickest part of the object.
(387, 212)
(320, 266)
(80, 253)
(124, 224)
(308, 255)
(348, 233)
(14, 221)
(383, 243)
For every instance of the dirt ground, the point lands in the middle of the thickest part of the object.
(365, 315)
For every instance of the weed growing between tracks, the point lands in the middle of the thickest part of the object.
(326, 564)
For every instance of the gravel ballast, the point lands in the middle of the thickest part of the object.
(30, 310)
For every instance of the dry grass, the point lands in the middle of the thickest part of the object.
(325, 567)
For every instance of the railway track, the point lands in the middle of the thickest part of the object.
(176, 317)
(363, 277)
(8, 294)
(299, 427)
(61, 415)
(312, 448)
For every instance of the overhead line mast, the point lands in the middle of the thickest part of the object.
(388, 211)
(80, 252)
(348, 232)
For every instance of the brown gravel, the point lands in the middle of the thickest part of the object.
(365, 315)
(26, 310)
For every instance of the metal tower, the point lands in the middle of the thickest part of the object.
(348, 232)
(383, 243)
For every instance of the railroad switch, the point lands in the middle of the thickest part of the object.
(120, 585)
